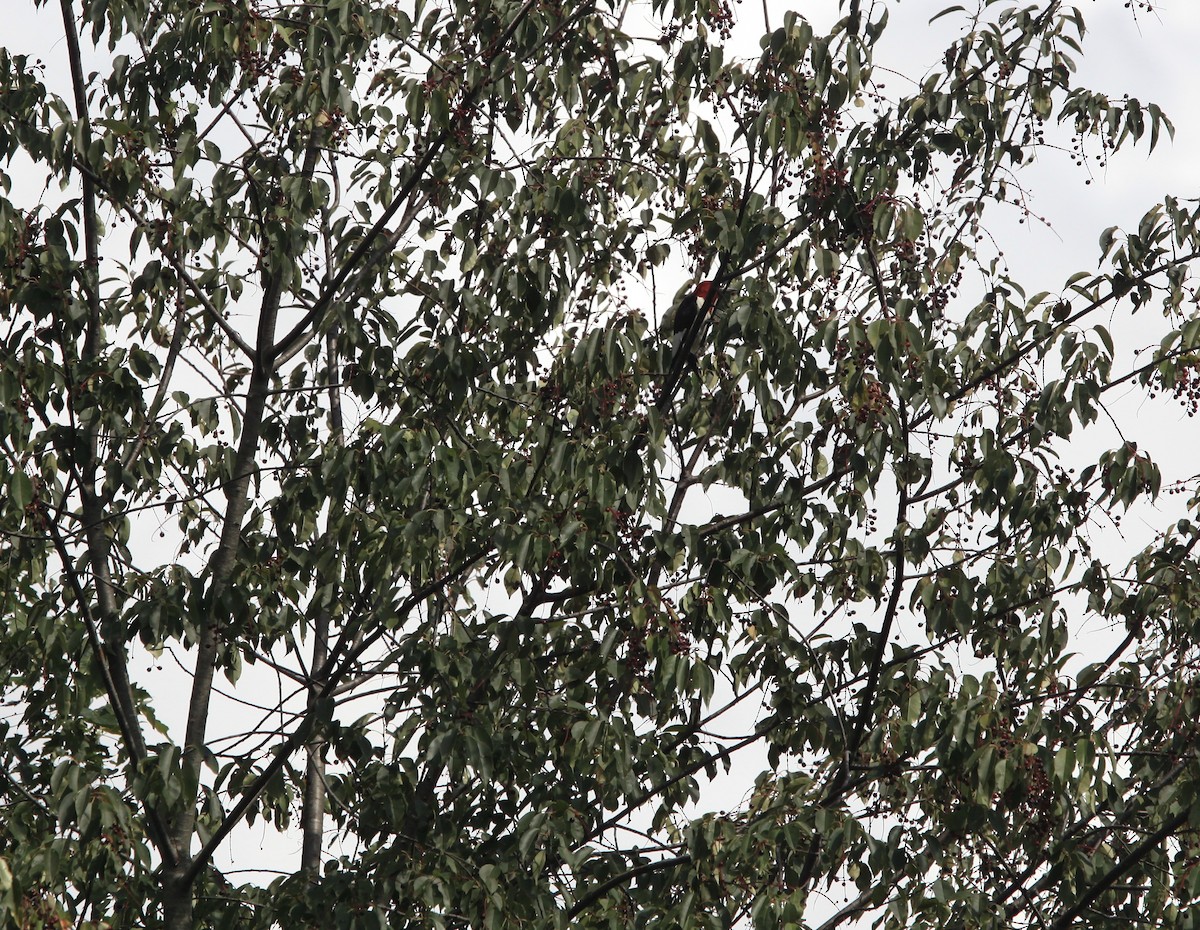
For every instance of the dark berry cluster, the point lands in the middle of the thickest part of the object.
(1030, 798)
(877, 403)
(861, 355)
(636, 656)
(637, 653)
(1183, 383)
(720, 18)
(19, 246)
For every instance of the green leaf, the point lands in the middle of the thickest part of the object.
(20, 490)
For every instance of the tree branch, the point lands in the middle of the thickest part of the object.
(606, 886)
(1120, 869)
(130, 736)
(361, 258)
(106, 637)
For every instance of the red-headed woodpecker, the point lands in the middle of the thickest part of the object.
(685, 326)
(683, 320)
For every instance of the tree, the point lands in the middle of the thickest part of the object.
(329, 373)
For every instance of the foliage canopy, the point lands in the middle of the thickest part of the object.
(329, 375)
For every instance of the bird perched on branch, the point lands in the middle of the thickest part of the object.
(684, 325)
(684, 318)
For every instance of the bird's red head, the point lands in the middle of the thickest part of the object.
(703, 289)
